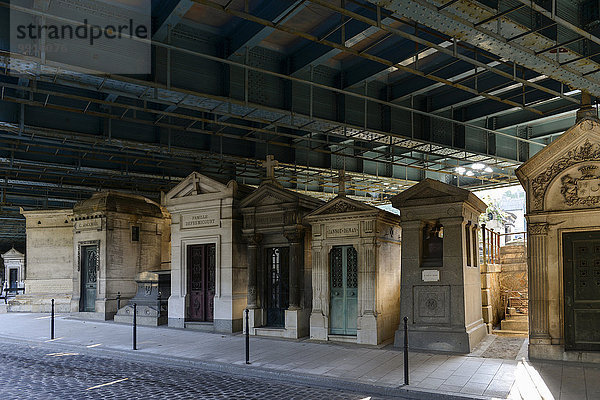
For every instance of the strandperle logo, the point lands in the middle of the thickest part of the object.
(106, 36)
(85, 31)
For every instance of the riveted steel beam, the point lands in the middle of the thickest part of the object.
(465, 28)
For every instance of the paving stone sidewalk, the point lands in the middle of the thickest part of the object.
(470, 375)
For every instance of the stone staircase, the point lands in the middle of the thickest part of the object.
(513, 281)
(516, 324)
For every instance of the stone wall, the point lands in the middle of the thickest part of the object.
(491, 295)
(513, 258)
(49, 261)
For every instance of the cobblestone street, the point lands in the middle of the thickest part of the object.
(53, 372)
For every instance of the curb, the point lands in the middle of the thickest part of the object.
(260, 372)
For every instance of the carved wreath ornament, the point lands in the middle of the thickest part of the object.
(576, 191)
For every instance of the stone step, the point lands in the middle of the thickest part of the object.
(510, 333)
(517, 317)
(514, 325)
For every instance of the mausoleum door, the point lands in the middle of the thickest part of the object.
(344, 290)
(582, 290)
(13, 277)
(277, 263)
(89, 268)
(201, 266)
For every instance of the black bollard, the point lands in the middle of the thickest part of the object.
(247, 339)
(134, 326)
(118, 301)
(406, 350)
(52, 321)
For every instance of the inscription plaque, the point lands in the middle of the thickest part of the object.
(88, 224)
(343, 230)
(200, 220)
(430, 275)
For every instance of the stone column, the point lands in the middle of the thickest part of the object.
(253, 247)
(295, 267)
(369, 279)
(538, 280)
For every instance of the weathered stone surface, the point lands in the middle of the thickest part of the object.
(375, 235)
(561, 182)
(273, 219)
(49, 260)
(129, 233)
(443, 314)
(205, 211)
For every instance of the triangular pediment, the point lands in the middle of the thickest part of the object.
(12, 253)
(195, 184)
(268, 194)
(340, 205)
(431, 191)
(562, 169)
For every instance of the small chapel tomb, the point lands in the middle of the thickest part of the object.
(208, 257)
(562, 184)
(116, 236)
(355, 271)
(14, 270)
(279, 266)
(441, 281)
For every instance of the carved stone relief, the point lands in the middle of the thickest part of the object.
(583, 190)
(570, 187)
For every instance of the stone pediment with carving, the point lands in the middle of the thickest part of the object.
(268, 194)
(341, 205)
(566, 173)
(431, 191)
(195, 184)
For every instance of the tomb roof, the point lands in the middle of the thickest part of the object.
(118, 202)
(431, 191)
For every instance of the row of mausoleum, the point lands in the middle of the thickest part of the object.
(301, 266)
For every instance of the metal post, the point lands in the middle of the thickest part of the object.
(118, 301)
(52, 321)
(406, 350)
(484, 243)
(247, 338)
(134, 326)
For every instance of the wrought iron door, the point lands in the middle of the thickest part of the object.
(201, 283)
(277, 285)
(343, 306)
(581, 252)
(89, 275)
(13, 277)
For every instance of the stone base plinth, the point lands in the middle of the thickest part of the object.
(41, 303)
(319, 326)
(367, 332)
(558, 353)
(146, 315)
(296, 324)
(440, 340)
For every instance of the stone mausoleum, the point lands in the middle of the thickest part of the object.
(355, 271)
(279, 260)
(49, 259)
(208, 257)
(562, 183)
(116, 237)
(441, 282)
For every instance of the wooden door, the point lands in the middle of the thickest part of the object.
(89, 270)
(581, 265)
(343, 304)
(201, 263)
(277, 285)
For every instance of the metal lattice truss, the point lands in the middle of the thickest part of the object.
(495, 61)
